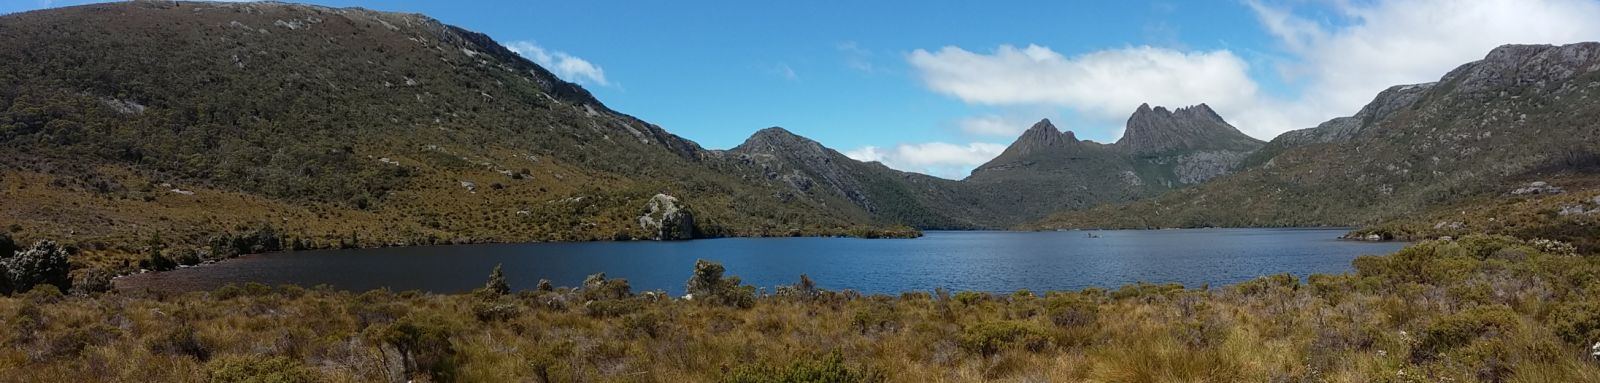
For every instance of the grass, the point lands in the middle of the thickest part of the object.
(1480, 308)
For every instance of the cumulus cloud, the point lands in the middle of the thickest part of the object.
(569, 67)
(1106, 84)
(993, 125)
(940, 159)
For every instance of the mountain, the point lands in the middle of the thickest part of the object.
(137, 123)
(805, 169)
(1522, 113)
(1047, 170)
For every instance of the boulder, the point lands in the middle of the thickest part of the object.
(666, 219)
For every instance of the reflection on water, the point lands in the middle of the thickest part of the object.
(979, 261)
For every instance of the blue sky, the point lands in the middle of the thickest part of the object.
(941, 86)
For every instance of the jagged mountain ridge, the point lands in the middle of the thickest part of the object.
(1524, 111)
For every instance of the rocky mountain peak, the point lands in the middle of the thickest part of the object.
(780, 141)
(1042, 134)
(1158, 130)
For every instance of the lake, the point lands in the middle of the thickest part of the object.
(992, 261)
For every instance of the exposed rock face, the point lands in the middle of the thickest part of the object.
(1155, 131)
(1193, 143)
(1341, 129)
(666, 219)
(1039, 138)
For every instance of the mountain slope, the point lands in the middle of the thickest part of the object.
(126, 121)
(807, 170)
(1522, 111)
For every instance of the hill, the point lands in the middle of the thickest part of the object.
(181, 122)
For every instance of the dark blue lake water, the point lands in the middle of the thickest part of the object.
(965, 260)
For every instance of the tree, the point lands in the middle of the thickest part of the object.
(8, 246)
(497, 282)
(44, 263)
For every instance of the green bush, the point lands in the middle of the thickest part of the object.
(158, 262)
(708, 285)
(1462, 328)
(969, 298)
(830, 368)
(988, 338)
(43, 264)
(1269, 283)
(1071, 310)
(1577, 322)
(497, 282)
(491, 311)
(597, 288)
(424, 345)
(612, 307)
(258, 369)
(8, 246)
(875, 316)
(1144, 289)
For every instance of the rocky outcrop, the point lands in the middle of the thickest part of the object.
(666, 220)
(1343, 129)
(1156, 131)
(1042, 136)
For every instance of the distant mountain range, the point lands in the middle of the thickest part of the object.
(132, 123)
(1522, 113)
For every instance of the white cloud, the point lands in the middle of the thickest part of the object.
(785, 71)
(569, 67)
(1332, 67)
(856, 57)
(992, 125)
(1104, 84)
(940, 159)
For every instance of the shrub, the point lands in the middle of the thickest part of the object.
(1269, 283)
(612, 307)
(969, 298)
(1463, 328)
(186, 257)
(988, 338)
(1143, 289)
(1577, 322)
(258, 369)
(424, 345)
(805, 289)
(876, 316)
(44, 263)
(8, 246)
(178, 340)
(650, 323)
(497, 282)
(158, 262)
(1071, 310)
(596, 287)
(495, 311)
(93, 281)
(830, 368)
(708, 285)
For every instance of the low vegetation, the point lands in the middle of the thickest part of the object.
(1476, 308)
